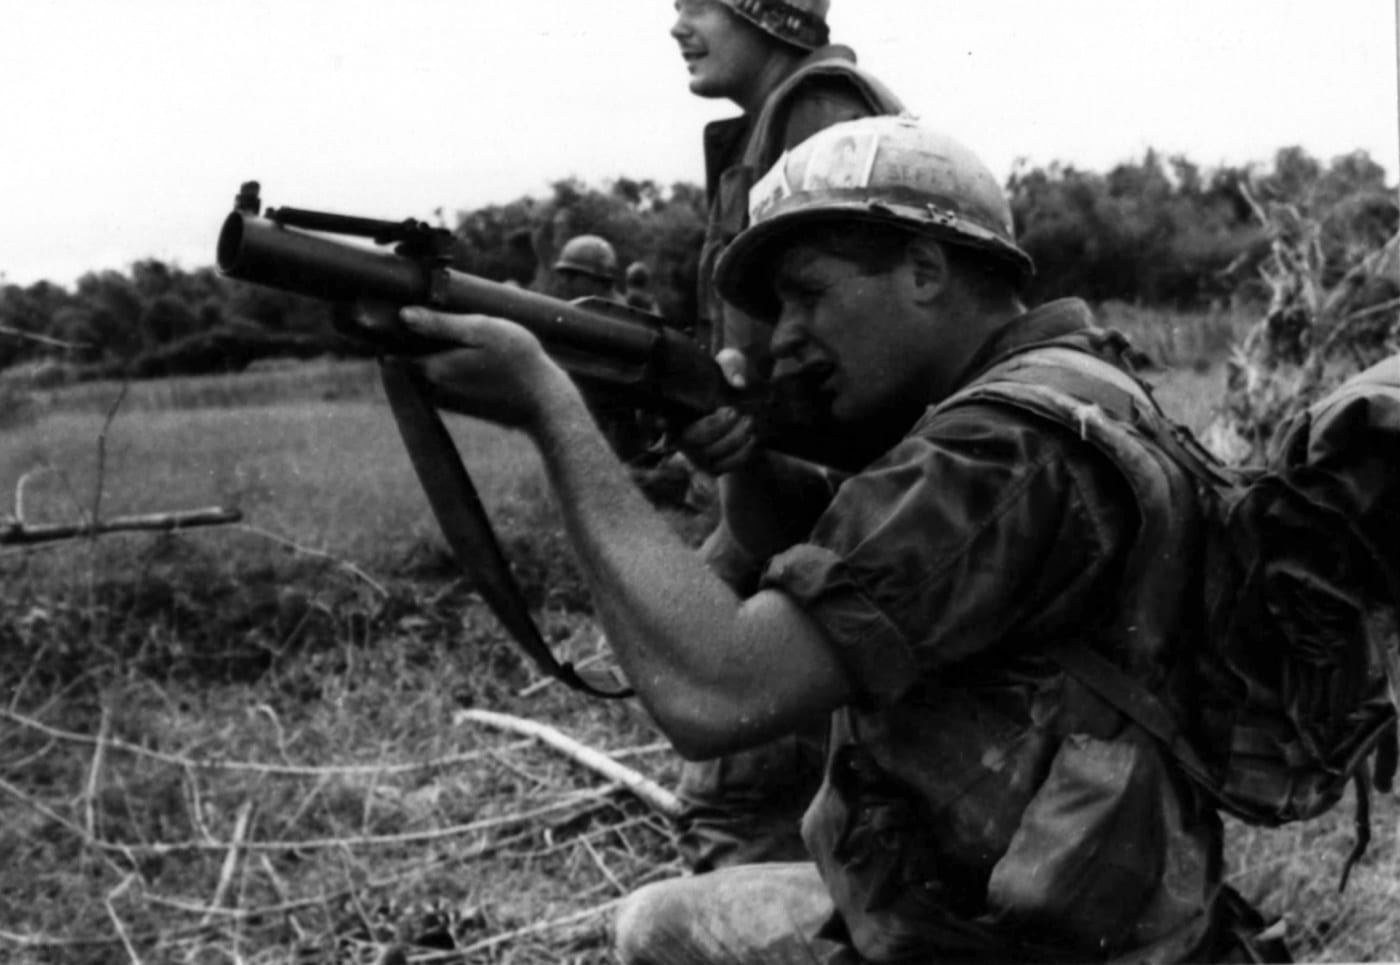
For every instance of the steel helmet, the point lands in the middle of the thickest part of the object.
(801, 23)
(589, 255)
(890, 170)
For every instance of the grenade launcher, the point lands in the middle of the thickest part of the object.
(629, 354)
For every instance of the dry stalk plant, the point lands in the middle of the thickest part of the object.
(1324, 322)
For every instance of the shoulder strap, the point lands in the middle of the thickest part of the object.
(1056, 371)
(879, 98)
(1111, 410)
(1131, 699)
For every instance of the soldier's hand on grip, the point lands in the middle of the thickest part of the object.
(720, 442)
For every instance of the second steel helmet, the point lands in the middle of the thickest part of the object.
(891, 170)
(589, 255)
(801, 23)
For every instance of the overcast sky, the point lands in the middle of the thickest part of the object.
(129, 124)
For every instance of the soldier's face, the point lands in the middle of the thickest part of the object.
(854, 334)
(575, 284)
(723, 52)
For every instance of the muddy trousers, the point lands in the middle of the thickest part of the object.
(764, 914)
(746, 807)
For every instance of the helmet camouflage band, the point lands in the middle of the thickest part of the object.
(888, 170)
(801, 23)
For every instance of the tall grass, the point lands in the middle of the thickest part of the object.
(326, 380)
(1177, 340)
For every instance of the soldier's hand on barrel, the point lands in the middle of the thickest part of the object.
(501, 373)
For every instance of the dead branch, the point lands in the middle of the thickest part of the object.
(95, 773)
(231, 860)
(132, 851)
(293, 770)
(15, 532)
(122, 933)
(652, 794)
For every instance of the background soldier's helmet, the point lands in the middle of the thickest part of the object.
(589, 255)
(638, 275)
(886, 170)
(801, 23)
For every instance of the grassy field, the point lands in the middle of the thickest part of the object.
(247, 744)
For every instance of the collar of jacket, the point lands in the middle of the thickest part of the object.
(1052, 320)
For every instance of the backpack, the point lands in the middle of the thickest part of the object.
(1288, 684)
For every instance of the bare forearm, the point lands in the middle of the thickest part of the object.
(716, 672)
(658, 602)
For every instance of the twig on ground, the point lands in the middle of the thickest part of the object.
(195, 804)
(17, 533)
(319, 554)
(43, 809)
(653, 794)
(112, 896)
(656, 747)
(231, 859)
(486, 944)
(311, 844)
(293, 770)
(352, 891)
(95, 773)
(602, 865)
(503, 759)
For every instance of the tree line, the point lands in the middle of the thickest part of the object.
(1156, 231)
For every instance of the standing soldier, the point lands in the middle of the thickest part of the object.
(773, 59)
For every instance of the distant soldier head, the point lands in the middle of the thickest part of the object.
(638, 276)
(587, 265)
(732, 46)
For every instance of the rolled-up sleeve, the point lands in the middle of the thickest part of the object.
(952, 544)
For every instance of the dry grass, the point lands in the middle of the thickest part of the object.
(241, 744)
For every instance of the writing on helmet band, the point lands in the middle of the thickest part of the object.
(846, 164)
(837, 179)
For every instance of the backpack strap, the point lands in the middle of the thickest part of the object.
(1116, 414)
(1131, 699)
(1084, 376)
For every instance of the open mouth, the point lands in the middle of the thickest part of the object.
(814, 378)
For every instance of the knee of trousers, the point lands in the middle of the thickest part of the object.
(645, 922)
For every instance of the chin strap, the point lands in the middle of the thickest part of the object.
(463, 521)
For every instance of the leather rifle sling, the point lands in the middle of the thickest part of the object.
(464, 523)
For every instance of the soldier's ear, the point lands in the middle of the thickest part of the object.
(929, 267)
